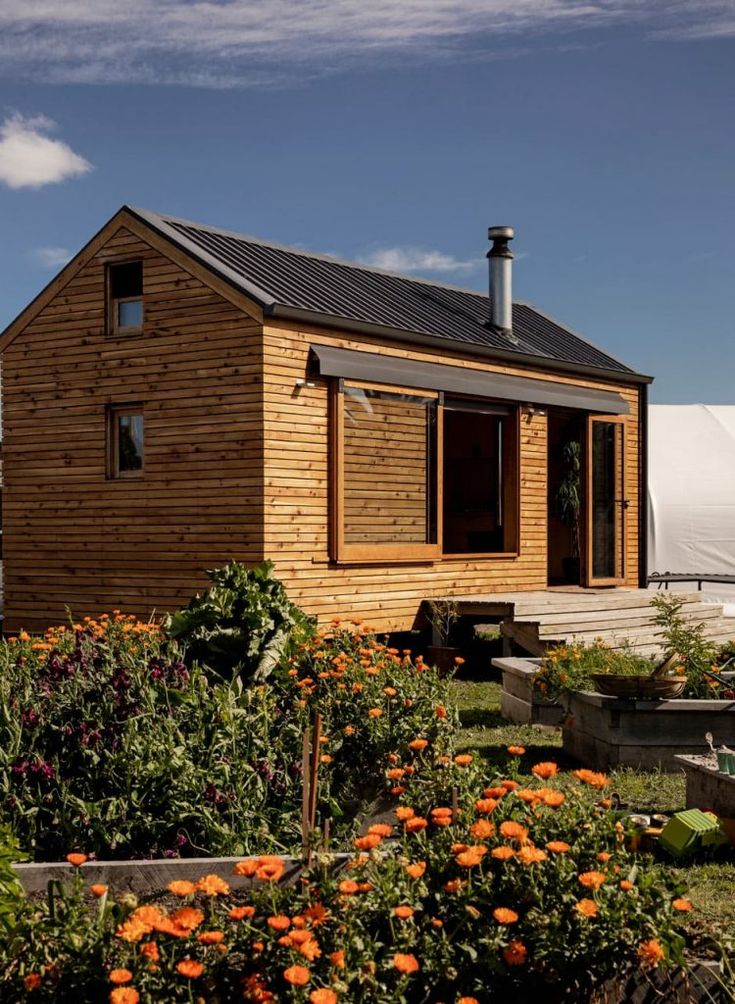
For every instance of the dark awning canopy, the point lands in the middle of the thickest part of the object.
(375, 368)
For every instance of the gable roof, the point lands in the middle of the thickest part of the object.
(295, 284)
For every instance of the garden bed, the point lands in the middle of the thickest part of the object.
(520, 702)
(709, 788)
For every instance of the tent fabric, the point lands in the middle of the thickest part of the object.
(691, 492)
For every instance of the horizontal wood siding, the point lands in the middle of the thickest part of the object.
(72, 536)
(297, 483)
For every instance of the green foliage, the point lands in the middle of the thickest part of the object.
(571, 667)
(242, 626)
(11, 891)
(569, 493)
(688, 643)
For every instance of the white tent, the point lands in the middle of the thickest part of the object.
(691, 492)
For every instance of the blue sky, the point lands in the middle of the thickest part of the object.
(395, 134)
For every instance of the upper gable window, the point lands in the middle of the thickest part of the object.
(125, 289)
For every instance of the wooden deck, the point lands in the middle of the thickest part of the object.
(531, 621)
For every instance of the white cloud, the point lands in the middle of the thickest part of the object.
(412, 259)
(228, 43)
(52, 257)
(29, 158)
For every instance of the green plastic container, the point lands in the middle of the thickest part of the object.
(688, 831)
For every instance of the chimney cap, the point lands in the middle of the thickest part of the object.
(502, 233)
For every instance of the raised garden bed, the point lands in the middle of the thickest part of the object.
(606, 732)
(709, 788)
(519, 702)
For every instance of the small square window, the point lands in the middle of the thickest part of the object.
(125, 288)
(125, 441)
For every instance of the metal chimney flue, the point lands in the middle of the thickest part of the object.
(500, 258)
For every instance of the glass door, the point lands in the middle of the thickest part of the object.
(606, 502)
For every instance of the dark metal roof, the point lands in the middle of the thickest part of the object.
(291, 282)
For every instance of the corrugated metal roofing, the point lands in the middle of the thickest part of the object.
(287, 277)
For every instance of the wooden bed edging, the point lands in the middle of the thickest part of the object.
(148, 877)
(519, 702)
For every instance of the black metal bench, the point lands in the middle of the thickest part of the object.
(664, 578)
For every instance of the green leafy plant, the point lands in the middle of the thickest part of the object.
(442, 616)
(242, 626)
(569, 493)
(571, 667)
(11, 891)
(688, 644)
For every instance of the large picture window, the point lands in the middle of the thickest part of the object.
(414, 477)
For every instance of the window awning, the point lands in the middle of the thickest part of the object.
(374, 368)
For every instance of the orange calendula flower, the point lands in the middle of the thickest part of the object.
(348, 888)
(551, 798)
(515, 953)
(592, 880)
(188, 917)
(150, 951)
(502, 853)
(297, 976)
(485, 805)
(513, 831)
(181, 888)
(316, 914)
(395, 773)
(454, 885)
(626, 886)
(509, 785)
(213, 885)
(118, 976)
(586, 908)
(463, 759)
(682, 905)
(406, 963)
(650, 952)
(482, 829)
(415, 824)
(77, 860)
(440, 711)
(338, 959)
(323, 996)
(190, 968)
(279, 922)
(368, 842)
(531, 856)
(241, 912)
(592, 778)
(375, 713)
(98, 889)
(472, 856)
(32, 981)
(505, 916)
(603, 857)
(545, 770)
(468, 1000)
(404, 912)
(516, 750)
(418, 744)
(496, 792)
(381, 829)
(124, 995)
(558, 847)
(416, 869)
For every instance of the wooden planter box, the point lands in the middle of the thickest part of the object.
(518, 701)
(604, 732)
(708, 788)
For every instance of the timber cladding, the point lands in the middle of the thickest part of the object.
(72, 535)
(296, 484)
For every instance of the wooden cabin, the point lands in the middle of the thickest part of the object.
(180, 395)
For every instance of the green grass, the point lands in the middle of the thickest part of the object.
(711, 884)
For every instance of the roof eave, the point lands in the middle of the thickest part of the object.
(287, 313)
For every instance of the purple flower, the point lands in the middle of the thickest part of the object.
(29, 717)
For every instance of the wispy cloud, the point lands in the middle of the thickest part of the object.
(52, 257)
(30, 158)
(229, 43)
(417, 260)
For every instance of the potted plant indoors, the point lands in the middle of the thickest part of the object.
(569, 505)
(442, 616)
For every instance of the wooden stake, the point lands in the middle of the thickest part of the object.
(306, 790)
(455, 801)
(313, 778)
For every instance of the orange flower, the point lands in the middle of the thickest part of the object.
(650, 952)
(98, 890)
(395, 773)
(416, 870)
(297, 976)
(515, 953)
(626, 886)
(190, 968)
(509, 785)
(270, 868)
(279, 922)
(347, 887)
(241, 912)
(368, 842)
(502, 853)
(482, 829)
(551, 798)
(213, 885)
(682, 905)
(405, 963)
(516, 750)
(77, 860)
(382, 829)
(558, 847)
(187, 917)
(120, 976)
(545, 770)
(415, 824)
(375, 713)
(323, 996)
(468, 1000)
(338, 959)
(472, 856)
(32, 981)
(603, 857)
(586, 908)
(124, 995)
(181, 888)
(150, 951)
(505, 916)
(454, 885)
(403, 812)
(528, 796)
(592, 880)
(390, 691)
(513, 831)
(497, 792)
(485, 805)
(592, 778)
(440, 711)
(463, 759)
(418, 744)
(531, 855)
(210, 937)
(247, 868)
(403, 912)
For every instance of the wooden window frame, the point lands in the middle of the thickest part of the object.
(111, 325)
(112, 440)
(394, 552)
(590, 580)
